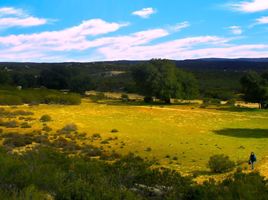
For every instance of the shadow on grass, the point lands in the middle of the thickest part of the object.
(239, 109)
(243, 132)
(139, 103)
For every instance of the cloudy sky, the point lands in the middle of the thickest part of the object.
(95, 30)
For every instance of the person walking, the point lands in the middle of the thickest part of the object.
(252, 160)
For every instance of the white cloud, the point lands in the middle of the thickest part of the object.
(4, 11)
(13, 17)
(63, 44)
(250, 6)
(145, 12)
(262, 20)
(73, 38)
(180, 26)
(22, 22)
(236, 30)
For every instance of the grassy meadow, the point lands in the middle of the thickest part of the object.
(181, 137)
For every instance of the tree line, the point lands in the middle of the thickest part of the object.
(156, 78)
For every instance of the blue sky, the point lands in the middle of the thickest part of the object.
(97, 30)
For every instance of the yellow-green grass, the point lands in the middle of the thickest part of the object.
(182, 131)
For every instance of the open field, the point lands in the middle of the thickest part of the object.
(182, 137)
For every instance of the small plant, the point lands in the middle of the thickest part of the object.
(167, 156)
(220, 163)
(175, 158)
(96, 136)
(148, 149)
(114, 130)
(45, 118)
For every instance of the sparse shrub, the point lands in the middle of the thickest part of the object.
(47, 129)
(25, 125)
(17, 140)
(175, 158)
(96, 136)
(105, 141)
(45, 118)
(69, 128)
(220, 163)
(22, 112)
(9, 124)
(1, 130)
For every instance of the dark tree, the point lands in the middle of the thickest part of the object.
(5, 78)
(161, 79)
(255, 88)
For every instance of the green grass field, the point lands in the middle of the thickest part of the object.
(182, 137)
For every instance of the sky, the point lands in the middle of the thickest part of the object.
(102, 30)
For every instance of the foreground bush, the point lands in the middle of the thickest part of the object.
(220, 163)
(45, 173)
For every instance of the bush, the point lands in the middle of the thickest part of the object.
(124, 97)
(220, 163)
(69, 128)
(45, 118)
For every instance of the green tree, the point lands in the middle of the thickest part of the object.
(255, 88)
(161, 79)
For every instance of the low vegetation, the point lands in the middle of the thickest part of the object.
(13, 96)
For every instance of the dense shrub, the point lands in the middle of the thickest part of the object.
(148, 99)
(45, 118)
(220, 163)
